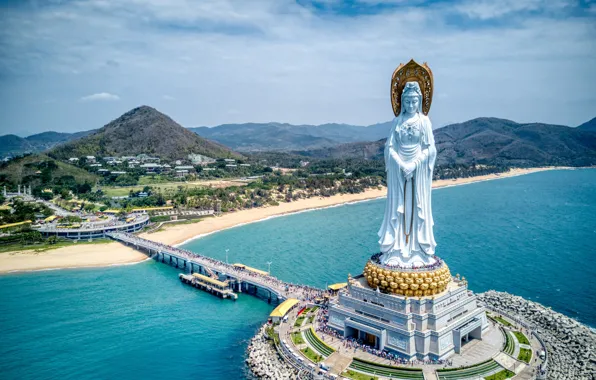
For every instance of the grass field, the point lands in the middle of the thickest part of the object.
(120, 191)
(312, 355)
(357, 375)
(502, 321)
(297, 338)
(299, 321)
(521, 338)
(525, 355)
(502, 375)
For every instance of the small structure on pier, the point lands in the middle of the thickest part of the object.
(208, 284)
(283, 309)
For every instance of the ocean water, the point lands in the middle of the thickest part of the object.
(532, 235)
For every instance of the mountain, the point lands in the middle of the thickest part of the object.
(142, 130)
(251, 137)
(15, 145)
(492, 141)
(589, 126)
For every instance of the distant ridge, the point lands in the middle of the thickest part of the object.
(492, 141)
(142, 130)
(251, 137)
(588, 126)
(15, 145)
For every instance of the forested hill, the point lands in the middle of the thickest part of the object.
(142, 130)
(15, 145)
(492, 141)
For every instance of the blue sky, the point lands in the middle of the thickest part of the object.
(71, 65)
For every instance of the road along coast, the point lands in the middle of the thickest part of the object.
(97, 255)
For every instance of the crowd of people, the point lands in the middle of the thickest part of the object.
(287, 290)
(351, 343)
(376, 258)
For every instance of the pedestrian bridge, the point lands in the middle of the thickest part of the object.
(240, 279)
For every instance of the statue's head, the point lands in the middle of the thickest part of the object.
(411, 98)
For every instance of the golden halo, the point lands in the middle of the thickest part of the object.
(412, 72)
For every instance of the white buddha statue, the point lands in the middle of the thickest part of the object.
(406, 235)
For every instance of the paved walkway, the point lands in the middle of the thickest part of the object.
(338, 362)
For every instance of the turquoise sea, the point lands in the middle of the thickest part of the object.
(532, 235)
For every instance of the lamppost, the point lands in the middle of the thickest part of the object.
(227, 256)
(269, 267)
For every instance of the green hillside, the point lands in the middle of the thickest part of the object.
(39, 170)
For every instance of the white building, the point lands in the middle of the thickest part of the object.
(151, 167)
(199, 159)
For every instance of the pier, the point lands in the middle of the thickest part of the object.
(209, 285)
(238, 278)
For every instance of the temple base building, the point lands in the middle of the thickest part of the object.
(429, 323)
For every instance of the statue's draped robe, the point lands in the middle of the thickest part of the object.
(423, 152)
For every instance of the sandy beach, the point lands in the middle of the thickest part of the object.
(94, 255)
(85, 255)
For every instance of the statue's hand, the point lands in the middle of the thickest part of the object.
(408, 169)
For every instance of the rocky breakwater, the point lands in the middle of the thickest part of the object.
(570, 345)
(264, 361)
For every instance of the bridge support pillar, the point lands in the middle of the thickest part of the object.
(269, 300)
(239, 286)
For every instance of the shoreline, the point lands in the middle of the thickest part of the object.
(113, 254)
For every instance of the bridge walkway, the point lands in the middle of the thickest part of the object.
(189, 260)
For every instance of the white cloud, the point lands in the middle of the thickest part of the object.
(168, 97)
(273, 60)
(488, 9)
(100, 96)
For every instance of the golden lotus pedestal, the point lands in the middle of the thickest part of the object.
(409, 282)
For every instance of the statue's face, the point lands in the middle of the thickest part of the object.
(411, 103)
